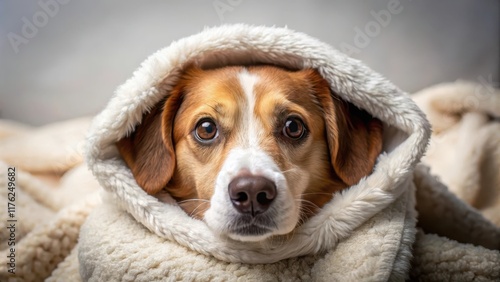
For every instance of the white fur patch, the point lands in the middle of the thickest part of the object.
(222, 216)
(251, 124)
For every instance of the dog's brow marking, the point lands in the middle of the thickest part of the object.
(248, 82)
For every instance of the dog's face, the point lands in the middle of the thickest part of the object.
(252, 151)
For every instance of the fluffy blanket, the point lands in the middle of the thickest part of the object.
(367, 232)
(466, 115)
(53, 194)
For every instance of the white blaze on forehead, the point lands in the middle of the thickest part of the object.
(251, 124)
(248, 155)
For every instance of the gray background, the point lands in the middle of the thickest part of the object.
(71, 65)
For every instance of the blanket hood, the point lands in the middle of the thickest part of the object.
(406, 133)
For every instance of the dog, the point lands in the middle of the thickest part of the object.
(254, 151)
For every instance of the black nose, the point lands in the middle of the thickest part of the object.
(251, 194)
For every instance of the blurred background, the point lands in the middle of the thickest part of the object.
(61, 59)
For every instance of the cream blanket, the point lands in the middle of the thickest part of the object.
(54, 193)
(466, 115)
(365, 233)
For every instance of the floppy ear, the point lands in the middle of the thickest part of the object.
(354, 137)
(149, 151)
(358, 143)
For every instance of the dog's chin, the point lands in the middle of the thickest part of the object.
(245, 228)
(251, 233)
(256, 232)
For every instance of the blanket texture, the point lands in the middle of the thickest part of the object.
(468, 115)
(54, 192)
(367, 232)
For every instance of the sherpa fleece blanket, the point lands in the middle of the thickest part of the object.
(467, 115)
(366, 232)
(52, 195)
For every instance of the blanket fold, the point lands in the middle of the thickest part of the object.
(146, 257)
(441, 212)
(466, 115)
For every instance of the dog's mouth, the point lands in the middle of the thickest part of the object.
(248, 226)
(251, 230)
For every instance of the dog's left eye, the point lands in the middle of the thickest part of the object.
(294, 128)
(206, 130)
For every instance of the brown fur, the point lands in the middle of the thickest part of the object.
(162, 154)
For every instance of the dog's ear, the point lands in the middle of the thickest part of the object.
(358, 142)
(149, 150)
(354, 137)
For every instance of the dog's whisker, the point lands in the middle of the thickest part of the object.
(304, 202)
(303, 218)
(192, 200)
(309, 208)
(194, 212)
(318, 193)
(289, 170)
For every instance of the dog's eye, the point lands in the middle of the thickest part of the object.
(206, 130)
(294, 128)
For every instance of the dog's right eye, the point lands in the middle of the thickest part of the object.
(294, 128)
(206, 130)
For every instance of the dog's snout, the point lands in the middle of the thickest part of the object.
(251, 194)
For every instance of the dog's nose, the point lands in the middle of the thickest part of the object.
(251, 194)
